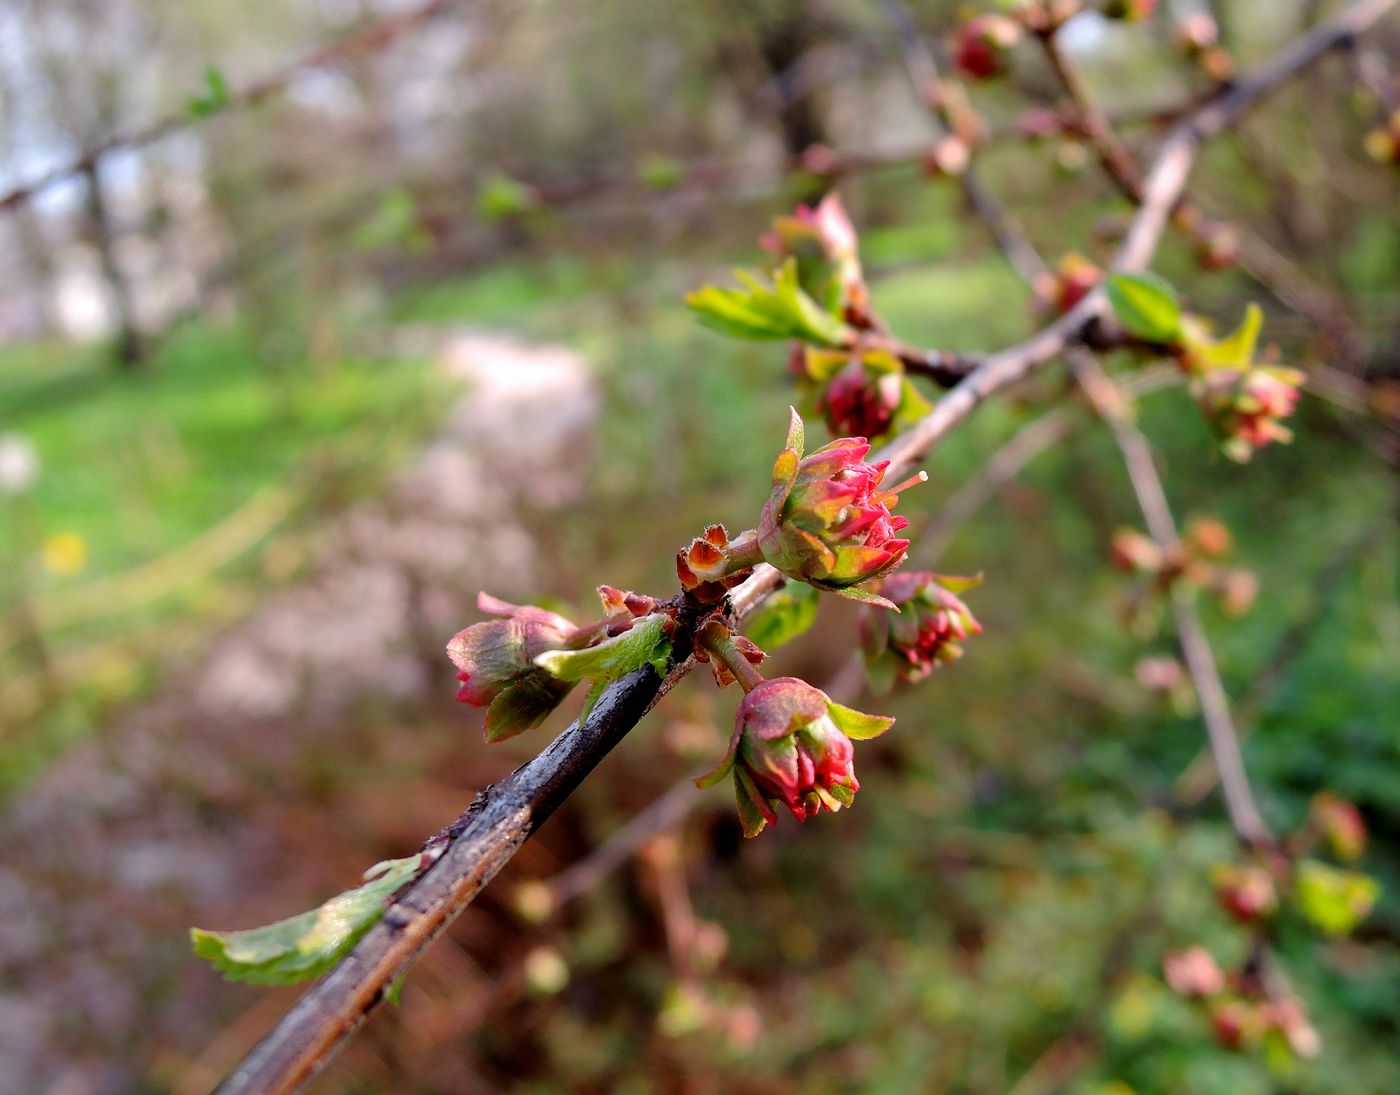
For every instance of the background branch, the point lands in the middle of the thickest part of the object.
(474, 848)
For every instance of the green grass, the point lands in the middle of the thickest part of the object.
(136, 468)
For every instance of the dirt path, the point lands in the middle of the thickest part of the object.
(185, 805)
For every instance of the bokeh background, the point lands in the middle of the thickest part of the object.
(280, 391)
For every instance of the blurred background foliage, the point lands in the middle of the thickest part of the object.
(220, 345)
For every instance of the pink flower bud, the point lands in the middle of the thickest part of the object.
(792, 747)
(823, 241)
(1340, 823)
(928, 630)
(1193, 973)
(858, 400)
(982, 44)
(1130, 550)
(1246, 406)
(1246, 893)
(1073, 280)
(1288, 1017)
(496, 665)
(827, 521)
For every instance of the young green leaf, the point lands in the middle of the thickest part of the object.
(306, 945)
(214, 98)
(644, 643)
(762, 311)
(1334, 900)
(1146, 305)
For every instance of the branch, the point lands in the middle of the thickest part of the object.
(357, 43)
(478, 844)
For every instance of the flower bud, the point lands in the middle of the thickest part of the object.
(1245, 406)
(1131, 551)
(861, 401)
(982, 45)
(1246, 893)
(827, 522)
(792, 747)
(496, 665)
(1238, 1024)
(1131, 11)
(1340, 824)
(1383, 143)
(1193, 973)
(928, 629)
(1073, 280)
(824, 243)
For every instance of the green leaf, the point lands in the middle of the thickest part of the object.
(661, 172)
(784, 616)
(1236, 351)
(763, 311)
(645, 642)
(214, 98)
(857, 725)
(1334, 900)
(502, 197)
(1146, 305)
(306, 945)
(864, 596)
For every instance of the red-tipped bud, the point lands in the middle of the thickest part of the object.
(1209, 537)
(1340, 824)
(1238, 1024)
(1131, 11)
(496, 665)
(1131, 551)
(1246, 406)
(828, 520)
(1073, 280)
(928, 630)
(982, 45)
(1246, 893)
(1382, 144)
(1193, 973)
(823, 242)
(860, 400)
(792, 747)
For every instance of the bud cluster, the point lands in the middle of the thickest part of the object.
(1244, 400)
(1191, 561)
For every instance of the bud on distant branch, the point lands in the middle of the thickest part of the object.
(927, 631)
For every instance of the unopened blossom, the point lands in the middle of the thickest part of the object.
(823, 241)
(982, 45)
(496, 665)
(827, 521)
(928, 630)
(1246, 406)
(1238, 1023)
(1193, 973)
(862, 401)
(1383, 143)
(1247, 893)
(1288, 1017)
(1340, 824)
(1071, 281)
(792, 747)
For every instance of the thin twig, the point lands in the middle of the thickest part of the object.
(477, 845)
(357, 43)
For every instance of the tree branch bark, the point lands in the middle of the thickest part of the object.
(482, 840)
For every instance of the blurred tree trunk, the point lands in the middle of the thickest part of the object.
(130, 348)
(785, 37)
